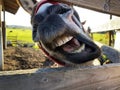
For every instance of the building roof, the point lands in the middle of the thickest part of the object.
(11, 6)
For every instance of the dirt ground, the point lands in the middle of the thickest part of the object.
(16, 58)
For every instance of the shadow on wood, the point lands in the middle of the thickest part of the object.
(105, 77)
(104, 6)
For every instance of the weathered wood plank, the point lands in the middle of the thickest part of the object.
(117, 41)
(93, 78)
(1, 51)
(4, 35)
(110, 26)
(1, 43)
(0, 2)
(112, 7)
(113, 24)
(111, 53)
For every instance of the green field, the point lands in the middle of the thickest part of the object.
(102, 38)
(25, 36)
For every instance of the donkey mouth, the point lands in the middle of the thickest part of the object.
(71, 50)
(70, 44)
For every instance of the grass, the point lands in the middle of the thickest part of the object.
(24, 35)
(102, 38)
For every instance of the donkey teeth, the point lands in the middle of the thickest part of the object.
(80, 49)
(63, 41)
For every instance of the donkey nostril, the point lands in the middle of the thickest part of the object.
(26, 2)
(30, 8)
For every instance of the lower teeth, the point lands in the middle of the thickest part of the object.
(80, 49)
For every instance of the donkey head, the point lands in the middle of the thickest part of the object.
(60, 33)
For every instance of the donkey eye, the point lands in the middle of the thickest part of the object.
(38, 18)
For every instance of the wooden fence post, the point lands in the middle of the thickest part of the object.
(4, 35)
(117, 40)
(1, 51)
(1, 43)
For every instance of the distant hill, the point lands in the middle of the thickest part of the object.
(17, 26)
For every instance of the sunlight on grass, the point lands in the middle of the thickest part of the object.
(101, 37)
(25, 36)
(21, 34)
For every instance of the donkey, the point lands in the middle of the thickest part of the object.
(60, 33)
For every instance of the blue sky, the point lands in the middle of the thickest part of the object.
(93, 19)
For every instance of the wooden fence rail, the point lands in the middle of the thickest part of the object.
(12, 39)
(91, 78)
(104, 6)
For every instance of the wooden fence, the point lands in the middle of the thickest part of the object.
(104, 6)
(1, 41)
(12, 39)
(110, 27)
(105, 77)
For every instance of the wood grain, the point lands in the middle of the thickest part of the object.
(91, 78)
(112, 7)
(1, 43)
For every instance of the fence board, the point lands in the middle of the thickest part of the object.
(1, 43)
(104, 6)
(13, 39)
(113, 24)
(117, 41)
(93, 78)
(1, 51)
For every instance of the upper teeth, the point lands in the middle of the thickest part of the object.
(63, 41)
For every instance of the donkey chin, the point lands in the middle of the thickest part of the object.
(66, 42)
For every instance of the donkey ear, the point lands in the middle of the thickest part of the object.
(27, 5)
(83, 23)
